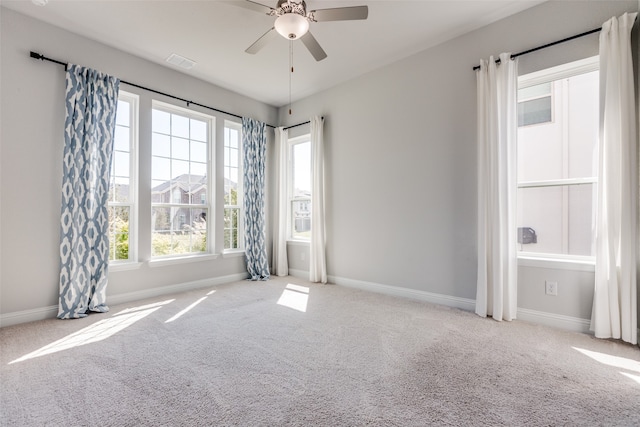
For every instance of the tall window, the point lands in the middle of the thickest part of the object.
(299, 206)
(180, 173)
(233, 219)
(557, 159)
(123, 183)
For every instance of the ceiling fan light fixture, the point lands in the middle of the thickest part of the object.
(291, 26)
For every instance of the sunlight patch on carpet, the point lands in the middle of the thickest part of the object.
(98, 331)
(186, 310)
(295, 297)
(615, 361)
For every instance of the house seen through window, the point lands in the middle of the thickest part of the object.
(180, 171)
(557, 160)
(299, 206)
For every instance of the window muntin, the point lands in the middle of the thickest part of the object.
(557, 165)
(180, 173)
(123, 182)
(299, 206)
(233, 194)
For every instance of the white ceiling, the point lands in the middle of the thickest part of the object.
(215, 34)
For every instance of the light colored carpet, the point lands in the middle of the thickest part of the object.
(352, 358)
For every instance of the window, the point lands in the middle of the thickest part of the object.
(123, 182)
(180, 173)
(299, 183)
(233, 218)
(557, 160)
(534, 104)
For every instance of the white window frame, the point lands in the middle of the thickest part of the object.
(209, 205)
(290, 198)
(228, 124)
(535, 259)
(134, 102)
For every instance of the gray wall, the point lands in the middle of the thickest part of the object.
(31, 154)
(401, 161)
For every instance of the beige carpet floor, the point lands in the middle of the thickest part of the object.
(259, 354)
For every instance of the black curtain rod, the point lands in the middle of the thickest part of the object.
(295, 126)
(36, 55)
(515, 55)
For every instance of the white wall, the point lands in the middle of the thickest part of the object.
(401, 161)
(31, 170)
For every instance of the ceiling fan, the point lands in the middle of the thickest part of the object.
(293, 20)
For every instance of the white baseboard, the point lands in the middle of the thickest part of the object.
(50, 312)
(447, 300)
(25, 316)
(569, 323)
(539, 317)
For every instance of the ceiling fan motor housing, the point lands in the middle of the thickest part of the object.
(292, 22)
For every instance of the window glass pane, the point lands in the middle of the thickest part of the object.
(534, 111)
(119, 233)
(198, 151)
(556, 220)
(121, 138)
(301, 219)
(179, 126)
(534, 91)
(160, 168)
(179, 168)
(198, 130)
(198, 169)
(161, 122)
(121, 189)
(161, 145)
(120, 164)
(180, 148)
(566, 147)
(302, 169)
(123, 112)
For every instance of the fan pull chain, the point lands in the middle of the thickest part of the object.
(291, 73)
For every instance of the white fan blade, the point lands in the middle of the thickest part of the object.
(341, 13)
(314, 47)
(262, 41)
(252, 5)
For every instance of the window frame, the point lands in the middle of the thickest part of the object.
(229, 124)
(209, 206)
(306, 138)
(540, 259)
(134, 105)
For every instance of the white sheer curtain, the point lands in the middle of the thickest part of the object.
(317, 260)
(614, 304)
(497, 129)
(280, 264)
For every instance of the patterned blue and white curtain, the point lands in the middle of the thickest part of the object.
(254, 146)
(91, 102)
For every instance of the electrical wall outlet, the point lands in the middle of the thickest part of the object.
(551, 288)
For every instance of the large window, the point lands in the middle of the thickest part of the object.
(557, 160)
(233, 219)
(299, 183)
(123, 182)
(180, 174)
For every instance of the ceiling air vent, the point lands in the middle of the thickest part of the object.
(181, 61)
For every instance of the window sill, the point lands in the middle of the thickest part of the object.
(539, 261)
(298, 242)
(160, 262)
(124, 266)
(233, 253)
